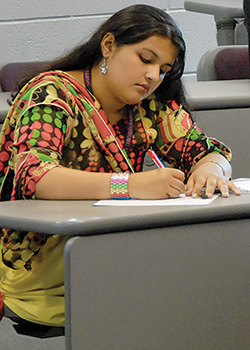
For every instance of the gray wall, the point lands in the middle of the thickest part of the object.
(33, 30)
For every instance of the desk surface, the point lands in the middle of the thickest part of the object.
(82, 218)
(218, 94)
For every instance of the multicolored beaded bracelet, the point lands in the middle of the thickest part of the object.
(119, 185)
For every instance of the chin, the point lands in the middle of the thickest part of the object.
(138, 99)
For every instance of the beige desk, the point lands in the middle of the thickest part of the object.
(219, 94)
(82, 218)
(150, 278)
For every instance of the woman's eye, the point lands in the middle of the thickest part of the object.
(145, 60)
(148, 61)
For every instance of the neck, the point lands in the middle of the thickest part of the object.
(77, 75)
(114, 109)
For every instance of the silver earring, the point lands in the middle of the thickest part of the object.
(104, 67)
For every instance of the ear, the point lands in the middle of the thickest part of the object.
(108, 44)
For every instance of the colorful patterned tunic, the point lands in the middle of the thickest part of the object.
(55, 121)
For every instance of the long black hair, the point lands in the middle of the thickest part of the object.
(131, 25)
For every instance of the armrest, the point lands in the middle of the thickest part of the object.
(218, 8)
(224, 11)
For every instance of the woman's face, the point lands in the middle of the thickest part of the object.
(135, 71)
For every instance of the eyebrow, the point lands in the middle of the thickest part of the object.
(155, 54)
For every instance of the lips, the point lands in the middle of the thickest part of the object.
(144, 87)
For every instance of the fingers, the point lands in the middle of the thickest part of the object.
(157, 184)
(196, 188)
(178, 174)
(176, 191)
(212, 184)
(172, 181)
(223, 187)
(196, 184)
(190, 186)
(233, 188)
(176, 186)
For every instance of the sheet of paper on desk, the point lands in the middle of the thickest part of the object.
(182, 200)
(243, 185)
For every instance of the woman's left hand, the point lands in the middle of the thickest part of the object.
(210, 176)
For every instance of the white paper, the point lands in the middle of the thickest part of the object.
(182, 200)
(243, 185)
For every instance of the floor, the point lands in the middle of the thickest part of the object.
(10, 340)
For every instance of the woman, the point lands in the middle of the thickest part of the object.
(81, 131)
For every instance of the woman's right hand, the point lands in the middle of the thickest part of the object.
(156, 184)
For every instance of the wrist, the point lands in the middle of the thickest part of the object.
(218, 164)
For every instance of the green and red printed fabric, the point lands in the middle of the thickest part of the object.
(54, 121)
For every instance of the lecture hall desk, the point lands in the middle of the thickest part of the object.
(150, 278)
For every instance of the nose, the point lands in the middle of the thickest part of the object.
(153, 73)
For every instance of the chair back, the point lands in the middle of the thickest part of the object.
(224, 63)
(12, 73)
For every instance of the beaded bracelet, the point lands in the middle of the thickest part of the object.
(213, 161)
(119, 185)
